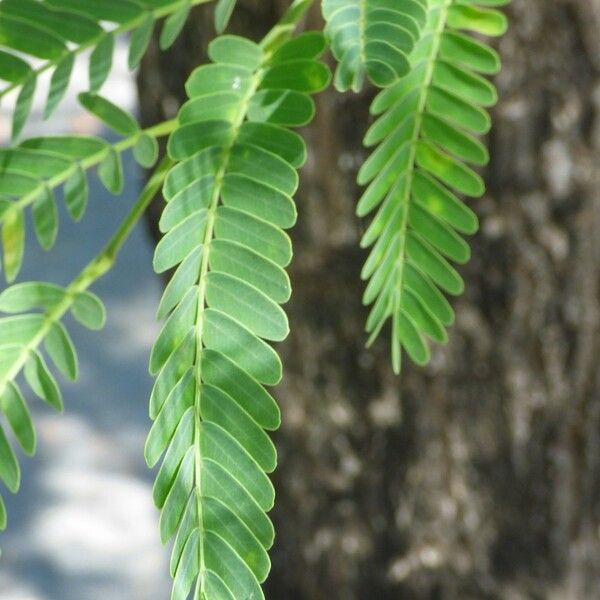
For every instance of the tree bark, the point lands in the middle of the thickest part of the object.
(478, 476)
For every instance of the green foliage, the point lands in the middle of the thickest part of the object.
(33, 313)
(55, 31)
(228, 180)
(228, 201)
(223, 12)
(425, 140)
(372, 37)
(36, 168)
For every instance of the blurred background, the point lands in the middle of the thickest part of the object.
(477, 477)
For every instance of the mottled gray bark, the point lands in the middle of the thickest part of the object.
(478, 476)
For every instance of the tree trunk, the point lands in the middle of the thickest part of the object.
(477, 477)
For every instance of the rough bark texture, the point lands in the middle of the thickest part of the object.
(477, 477)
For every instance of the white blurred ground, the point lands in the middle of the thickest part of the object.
(83, 526)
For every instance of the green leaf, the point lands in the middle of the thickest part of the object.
(440, 236)
(37, 164)
(246, 304)
(222, 106)
(173, 25)
(60, 348)
(222, 449)
(174, 331)
(190, 200)
(180, 360)
(422, 287)
(13, 242)
(220, 484)
(15, 184)
(424, 320)
(424, 149)
(67, 147)
(190, 139)
(140, 39)
(20, 330)
(278, 141)
(111, 115)
(42, 382)
(471, 53)
(30, 38)
(229, 337)
(220, 408)
(190, 516)
(12, 68)
(407, 333)
(215, 587)
(101, 62)
(445, 104)
(45, 219)
(23, 297)
(307, 76)
(249, 266)
(183, 279)
(440, 202)
(203, 164)
(472, 88)
(448, 170)
(263, 166)
(306, 45)
(261, 200)
(223, 522)
(177, 497)
(234, 50)
(17, 414)
(454, 141)
(89, 310)
(260, 236)
(479, 20)
(281, 107)
(215, 79)
(222, 373)
(145, 151)
(182, 440)
(171, 413)
(59, 84)
(180, 242)
(117, 11)
(10, 473)
(23, 107)
(235, 574)
(223, 12)
(110, 172)
(76, 194)
(228, 199)
(432, 264)
(64, 25)
(372, 38)
(188, 568)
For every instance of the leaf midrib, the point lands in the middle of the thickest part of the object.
(435, 48)
(202, 280)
